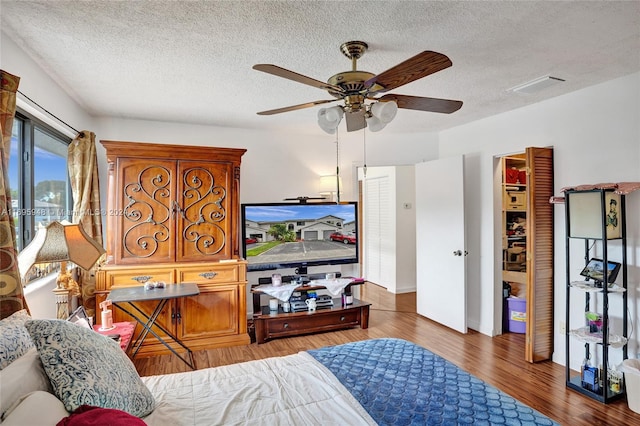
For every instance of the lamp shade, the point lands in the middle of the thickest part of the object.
(329, 184)
(375, 124)
(329, 118)
(384, 111)
(59, 242)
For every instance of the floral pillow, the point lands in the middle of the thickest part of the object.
(86, 368)
(14, 338)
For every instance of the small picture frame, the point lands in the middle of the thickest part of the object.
(594, 270)
(585, 215)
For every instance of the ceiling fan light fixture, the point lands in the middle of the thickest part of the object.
(374, 123)
(329, 118)
(384, 111)
(335, 114)
(360, 90)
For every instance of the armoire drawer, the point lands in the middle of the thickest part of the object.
(209, 274)
(133, 278)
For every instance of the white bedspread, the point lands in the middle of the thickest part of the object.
(290, 390)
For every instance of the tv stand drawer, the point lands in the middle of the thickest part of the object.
(313, 322)
(272, 326)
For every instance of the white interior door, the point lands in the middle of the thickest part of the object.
(440, 242)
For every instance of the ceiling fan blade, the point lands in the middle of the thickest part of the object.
(284, 73)
(355, 120)
(412, 69)
(295, 107)
(445, 106)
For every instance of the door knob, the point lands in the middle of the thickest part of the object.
(457, 253)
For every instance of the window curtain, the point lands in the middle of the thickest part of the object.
(11, 294)
(83, 172)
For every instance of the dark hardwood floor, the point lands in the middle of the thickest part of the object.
(498, 360)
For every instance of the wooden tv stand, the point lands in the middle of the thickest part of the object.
(271, 325)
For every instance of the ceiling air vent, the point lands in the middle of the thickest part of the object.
(536, 85)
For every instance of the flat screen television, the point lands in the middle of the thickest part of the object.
(288, 235)
(595, 270)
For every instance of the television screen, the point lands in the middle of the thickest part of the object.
(595, 270)
(287, 235)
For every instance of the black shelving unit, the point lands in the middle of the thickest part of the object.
(593, 233)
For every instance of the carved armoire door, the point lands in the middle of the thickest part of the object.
(145, 211)
(203, 208)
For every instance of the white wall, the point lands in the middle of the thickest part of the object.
(406, 229)
(44, 90)
(280, 164)
(595, 134)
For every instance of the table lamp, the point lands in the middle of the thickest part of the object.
(61, 242)
(331, 185)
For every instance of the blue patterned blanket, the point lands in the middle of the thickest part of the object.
(400, 383)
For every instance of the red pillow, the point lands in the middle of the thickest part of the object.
(86, 415)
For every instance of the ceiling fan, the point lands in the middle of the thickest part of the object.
(356, 87)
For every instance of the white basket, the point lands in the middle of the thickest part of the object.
(631, 368)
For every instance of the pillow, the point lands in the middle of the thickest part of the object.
(38, 408)
(86, 368)
(14, 339)
(20, 378)
(87, 415)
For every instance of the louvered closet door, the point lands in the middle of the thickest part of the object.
(378, 265)
(539, 342)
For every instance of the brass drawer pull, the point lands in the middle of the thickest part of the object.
(208, 275)
(142, 278)
(341, 318)
(286, 325)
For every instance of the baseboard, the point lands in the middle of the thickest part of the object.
(405, 290)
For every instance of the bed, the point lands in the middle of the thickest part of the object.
(377, 381)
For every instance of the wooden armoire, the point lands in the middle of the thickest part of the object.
(173, 215)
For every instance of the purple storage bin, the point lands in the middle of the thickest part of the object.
(517, 314)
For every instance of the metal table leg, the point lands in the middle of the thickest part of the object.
(147, 328)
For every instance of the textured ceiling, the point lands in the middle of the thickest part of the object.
(190, 61)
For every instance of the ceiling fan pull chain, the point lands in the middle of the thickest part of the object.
(338, 165)
(364, 152)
